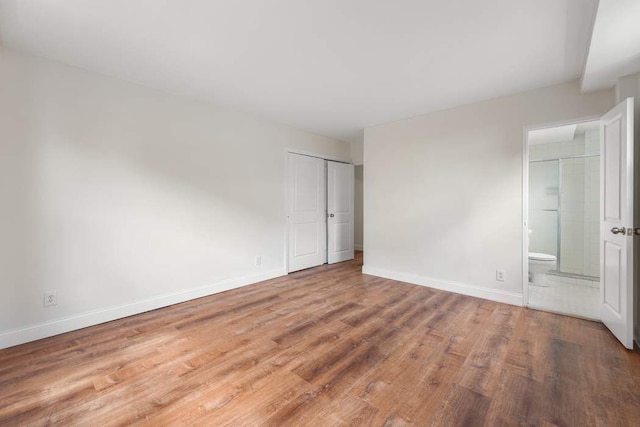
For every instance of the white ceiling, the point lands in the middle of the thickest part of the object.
(328, 66)
(615, 44)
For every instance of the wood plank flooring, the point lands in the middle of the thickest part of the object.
(326, 346)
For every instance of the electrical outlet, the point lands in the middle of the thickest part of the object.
(258, 261)
(500, 275)
(50, 298)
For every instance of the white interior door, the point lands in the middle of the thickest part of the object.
(307, 212)
(616, 228)
(340, 211)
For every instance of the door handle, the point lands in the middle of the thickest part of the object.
(616, 230)
(331, 215)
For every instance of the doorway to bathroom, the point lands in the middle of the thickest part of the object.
(563, 166)
(563, 227)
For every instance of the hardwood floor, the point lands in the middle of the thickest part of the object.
(326, 346)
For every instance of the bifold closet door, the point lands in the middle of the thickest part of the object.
(340, 211)
(307, 212)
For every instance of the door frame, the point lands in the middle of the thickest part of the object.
(525, 193)
(624, 331)
(287, 176)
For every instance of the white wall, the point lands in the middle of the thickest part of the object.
(443, 191)
(357, 152)
(123, 198)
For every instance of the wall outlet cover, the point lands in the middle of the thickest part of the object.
(50, 298)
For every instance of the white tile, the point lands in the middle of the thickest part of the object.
(566, 148)
(579, 163)
(566, 298)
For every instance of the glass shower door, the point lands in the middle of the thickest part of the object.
(544, 179)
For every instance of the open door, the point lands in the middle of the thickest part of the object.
(616, 222)
(307, 210)
(340, 216)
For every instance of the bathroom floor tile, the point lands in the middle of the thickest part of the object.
(566, 298)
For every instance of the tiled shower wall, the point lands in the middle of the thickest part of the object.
(579, 203)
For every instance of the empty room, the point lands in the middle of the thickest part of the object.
(319, 213)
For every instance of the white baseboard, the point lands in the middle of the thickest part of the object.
(447, 285)
(358, 247)
(91, 318)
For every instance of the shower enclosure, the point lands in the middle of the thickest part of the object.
(563, 212)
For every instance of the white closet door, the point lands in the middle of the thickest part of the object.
(307, 212)
(616, 228)
(340, 211)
